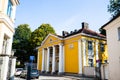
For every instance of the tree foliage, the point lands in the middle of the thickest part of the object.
(21, 42)
(114, 7)
(102, 31)
(39, 34)
(25, 41)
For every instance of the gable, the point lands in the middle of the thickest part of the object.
(51, 40)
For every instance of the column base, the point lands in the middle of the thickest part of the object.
(61, 73)
(48, 72)
(42, 71)
(53, 73)
(81, 75)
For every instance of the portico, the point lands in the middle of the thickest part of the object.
(52, 57)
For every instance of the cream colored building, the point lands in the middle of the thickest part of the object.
(113, 40)
(7, 19)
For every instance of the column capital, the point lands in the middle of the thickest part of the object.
(61, 44)
(83, 39)
(97, 42)
(47, 47)
(53, 45)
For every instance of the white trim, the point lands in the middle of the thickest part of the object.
(8, 23)
(79, 57)
(84, 52)
(97, 56)
(48, 58)
(72, 36)
(63, 60)
(43, 60)
(53, 60)
(15, 2)
(60, 59)
(92, 36)
(83, 34)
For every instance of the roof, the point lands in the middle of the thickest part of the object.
(115, 17)
(87, 32)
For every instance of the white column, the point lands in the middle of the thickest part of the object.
(43, 60)
(1, 40)
(48, 59)
(9, 46)
(97, 56)
(60, 58)
(93, 48)
(63, 59)
(4, 61)
(13, 64)
(53, 60)
(84, 51)
(80, 57)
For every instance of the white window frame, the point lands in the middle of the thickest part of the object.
(119, 33)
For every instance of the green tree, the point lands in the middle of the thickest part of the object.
(114, 7)
(102, 31)
(39, 34)
(21, 42)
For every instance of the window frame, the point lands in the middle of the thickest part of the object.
(118, 33)
(9, 8)
(102, 47)
(90, 46)
(90, 62)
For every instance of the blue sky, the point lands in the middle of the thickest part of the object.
(63, 14)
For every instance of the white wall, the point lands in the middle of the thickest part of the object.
(113, 49)
(3, 67)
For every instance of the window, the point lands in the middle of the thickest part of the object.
(9, 9)
(4, 45)
(102, 47)
(90, 62)
(119, 33)
(90, 45)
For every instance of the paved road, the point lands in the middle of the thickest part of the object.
(56, 78)
(46, 78)
(18, 78)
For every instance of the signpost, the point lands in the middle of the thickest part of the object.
(29, 68)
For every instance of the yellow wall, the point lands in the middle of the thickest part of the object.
(103, 55)
(71, 54)
(71, 57)
(39, 63)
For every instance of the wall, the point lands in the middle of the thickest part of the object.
(113, 49)
(39, 60)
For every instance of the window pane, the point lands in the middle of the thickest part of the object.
(9, 9)
(102, 47)
(90, 62)
(90, 45)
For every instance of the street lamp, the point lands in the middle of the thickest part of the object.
(12, 52)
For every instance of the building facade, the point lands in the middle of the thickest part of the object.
(113, 39)
(72, 52)
(7, 19)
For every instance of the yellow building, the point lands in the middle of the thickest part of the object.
(71, 52)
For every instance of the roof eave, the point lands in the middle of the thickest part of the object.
(115, 17)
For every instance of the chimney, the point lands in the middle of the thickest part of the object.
(84, 25)
(64, 33)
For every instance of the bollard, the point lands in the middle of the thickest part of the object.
(29, 72)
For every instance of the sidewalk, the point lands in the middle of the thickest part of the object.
(63, 78)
